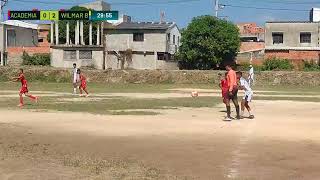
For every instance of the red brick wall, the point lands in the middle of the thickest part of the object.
(15, 53)
(296, 57)
(29, 50)
(293, 55)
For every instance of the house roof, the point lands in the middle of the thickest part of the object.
(290, 22)
(251, 46)
(20, 24)
(144, 25)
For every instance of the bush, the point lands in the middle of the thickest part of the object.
(277, 64)
(311, 66)
(36, 59)
(246, 67)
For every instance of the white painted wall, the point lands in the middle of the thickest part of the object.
(57, 59)
(172, 45)
(121, 42)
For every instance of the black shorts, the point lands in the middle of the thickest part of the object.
(234, 93)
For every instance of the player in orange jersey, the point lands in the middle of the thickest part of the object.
(83, 84)
(24, 88)
(232, 93)
(224, 88)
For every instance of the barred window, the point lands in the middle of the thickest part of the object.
(277, 38)
(69, 54)
(305, 37)
(85, 54)
(138, 37)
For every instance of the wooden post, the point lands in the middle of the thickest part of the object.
(98, 34)
(90, 33)
(57, 32)
(81, 34)
(76, 38)
(52, 33)
(68, 34)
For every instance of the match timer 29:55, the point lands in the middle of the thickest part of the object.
(104, 15)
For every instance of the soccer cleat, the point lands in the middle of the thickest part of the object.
(227, 119)
(238, 117)
(81, 95)
(251, 117)
(20, 105)
(87, 95)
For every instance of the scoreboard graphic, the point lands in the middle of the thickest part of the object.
(48, 15)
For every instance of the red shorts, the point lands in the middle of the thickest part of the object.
(23, 90)
(83, 85)
(225, 96)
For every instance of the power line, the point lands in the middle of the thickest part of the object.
(281, 2)
(265, 8)
(117, 3)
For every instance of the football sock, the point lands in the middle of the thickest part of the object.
(21, 100)
(32, 97)
(74, 90)
(228, 111)
(238, 110)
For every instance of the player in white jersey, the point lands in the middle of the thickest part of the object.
(75, 78)
(251, 76)
(248, 94)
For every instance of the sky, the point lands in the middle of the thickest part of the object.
(182, 11)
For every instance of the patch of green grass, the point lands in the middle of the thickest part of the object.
(109, 106)
(300, 99)
(101, 88)
(133, 113)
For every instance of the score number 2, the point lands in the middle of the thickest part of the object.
(49, 15)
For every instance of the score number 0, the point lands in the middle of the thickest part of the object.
(49, 15)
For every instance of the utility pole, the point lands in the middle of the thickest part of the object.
(216, 8)
(3, 46)
(162, 20)
(3, 4)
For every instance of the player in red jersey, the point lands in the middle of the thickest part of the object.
(24, 88)
(224, 88)
(83, 85)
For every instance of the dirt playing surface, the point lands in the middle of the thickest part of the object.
(283, 142)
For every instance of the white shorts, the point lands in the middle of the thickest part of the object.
(75, 79)
(248, 97)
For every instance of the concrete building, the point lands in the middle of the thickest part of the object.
(147, 45)
(151, 45)
(251, 32)
(76, 50)
(293, 40)
(98, 5)
(17, 37)
(252, 44)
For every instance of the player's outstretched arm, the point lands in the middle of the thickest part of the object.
(14, 79)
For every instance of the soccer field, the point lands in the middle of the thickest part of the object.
(157, 132)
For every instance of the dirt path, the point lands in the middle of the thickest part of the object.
(283, 142)
(176, 93)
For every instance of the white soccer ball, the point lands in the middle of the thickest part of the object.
(194, 94)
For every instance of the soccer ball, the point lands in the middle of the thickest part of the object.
(194, 94)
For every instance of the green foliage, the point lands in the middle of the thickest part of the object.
(36, 59)
(311, 66)
(246, 67)
(72, 25)
(208, 41)
(277, 64)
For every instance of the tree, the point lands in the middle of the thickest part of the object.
(72, 25)
(207, 42)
